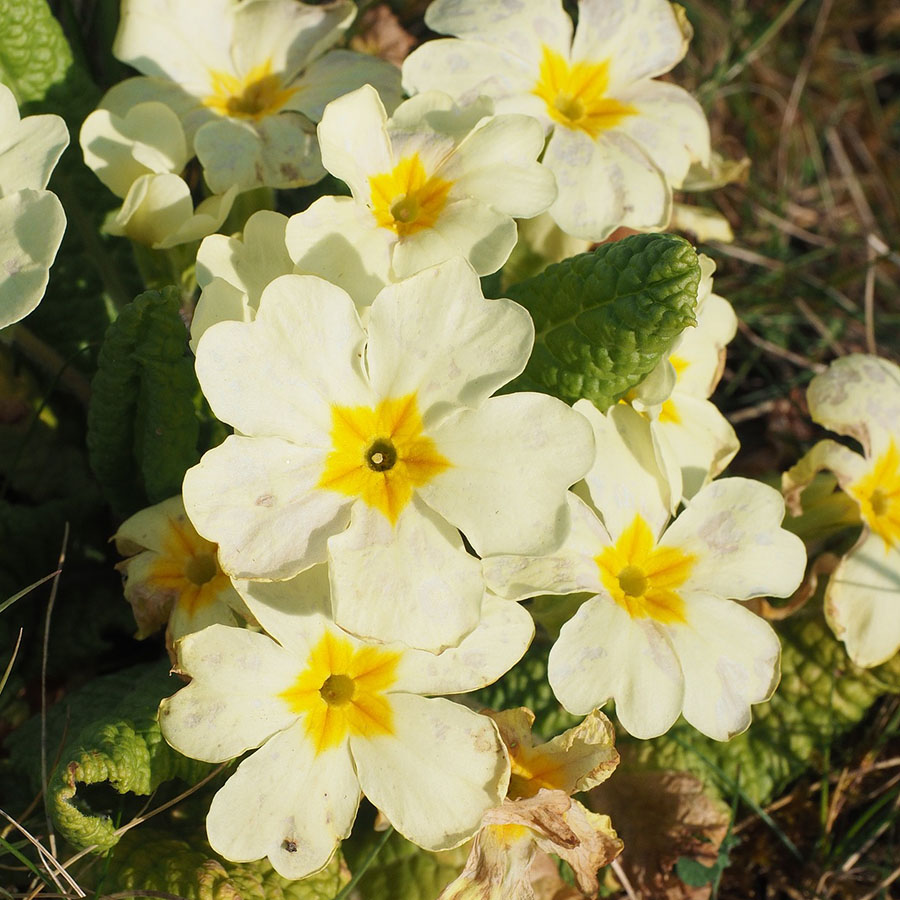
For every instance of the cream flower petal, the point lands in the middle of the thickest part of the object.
(288, 803)
(287, 34)
(501, 637)
(295, 612)
(125, 95)
(437, 774)
(496, 164)
(862, 600)
(257, 498)
(354, 141)
(232, 703)
(449, 354)
(340, 72)
(439, 112)
(251, 262)
(148, 139)
(730, 659)
(699, 349)
(473, 69)
(846, 464)
(603, 653)
(219, 302)
(412, 581)
(627, 477)
(509, 440)
(700, 437)
(278, 151)
(669, 125)
(568, 570)
(519, 29)
(732, 527)
(208, 216)
(604, 184)
(858, 396)
(221, 610)
(176, 40)
(334, 239)
(465, 228)
(281, 373)
(149, 528)
(29, 148)
(641, 38)
(31, 227)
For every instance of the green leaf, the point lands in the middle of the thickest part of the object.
(154, 859)
(142, 424)
(34, 53)
(694, 873)
(403, 871)
(822, 695)
(604, 319)
(121, 748)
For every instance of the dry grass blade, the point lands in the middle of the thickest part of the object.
(12, 661)
(55, 870)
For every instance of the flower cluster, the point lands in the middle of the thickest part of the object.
(355, 552)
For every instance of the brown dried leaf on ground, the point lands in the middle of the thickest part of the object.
(686, 822)
(381, 34)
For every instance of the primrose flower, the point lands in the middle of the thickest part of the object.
(539, 814)
(172, 575)
(371, 446)
(659, 634)
(140, 156)
(618, 141)
(335, 717)
(32, 220)
(691, 433)
(859, 396)
(432, 182)
(247, 79)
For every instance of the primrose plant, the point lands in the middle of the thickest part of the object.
(400, 457)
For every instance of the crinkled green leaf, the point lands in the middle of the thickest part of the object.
(822, 695)
(526, 685)
(34, 53)
(603, 319)
(401, 870)
(118, 746)
(142, 424)
(152, 859)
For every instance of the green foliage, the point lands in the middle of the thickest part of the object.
(526, 685)
(119, 746)
(152, 859)
(34, 53)
(142, 424)
(403, 871)
(603, 319)
(821, 696)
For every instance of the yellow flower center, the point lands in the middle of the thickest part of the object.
(642, 577)
(575, 94)
(258, 94)
(406, 200)
(381, 455)
(342, 692)
(188, 567)
(878, 496)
